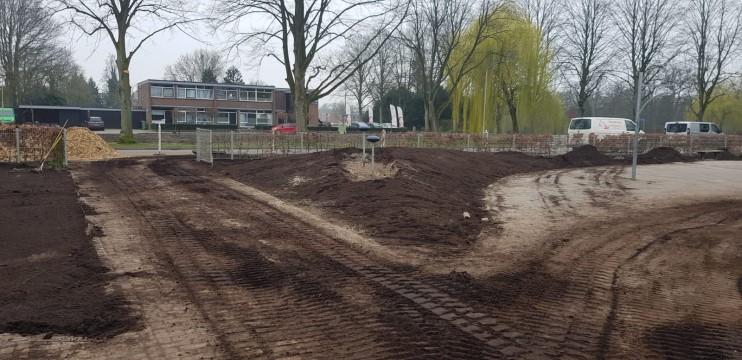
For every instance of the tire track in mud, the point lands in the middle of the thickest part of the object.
(451, 328)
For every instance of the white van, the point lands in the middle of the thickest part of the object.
(601, 126)
(691, 127)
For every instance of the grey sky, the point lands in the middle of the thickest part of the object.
(163, 50)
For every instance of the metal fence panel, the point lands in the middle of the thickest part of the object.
(204, 146)
(29, 144)
(243, 144)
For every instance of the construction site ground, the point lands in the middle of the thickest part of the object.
(434, 254)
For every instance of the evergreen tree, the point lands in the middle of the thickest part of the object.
(234, 76)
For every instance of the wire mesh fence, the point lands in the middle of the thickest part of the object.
(236, 144)
(30, 144)
(205, 146)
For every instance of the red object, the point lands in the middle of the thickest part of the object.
(284, 129)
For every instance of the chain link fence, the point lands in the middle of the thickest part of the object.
(237, 145)
(30, 144)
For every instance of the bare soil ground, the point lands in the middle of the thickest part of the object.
(573, 263)
(51, 278)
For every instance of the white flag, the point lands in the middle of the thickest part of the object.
(400, 116)
(370, 114)
(393, 111)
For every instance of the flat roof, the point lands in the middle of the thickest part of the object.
(55, 107)
(175, 82)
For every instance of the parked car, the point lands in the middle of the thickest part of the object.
(360, 125)
(95, 123)
(601, 127)
(284, 128)
(692, 127)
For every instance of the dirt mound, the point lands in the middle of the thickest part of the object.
(424, 201)
(726, 155)
(51, 278)
(83, 144)
(586, 155)
(662, 155)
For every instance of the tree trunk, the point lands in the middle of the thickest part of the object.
(514, 117)
(430, 121)
(498, 118)
(127, 133)
(301, 101)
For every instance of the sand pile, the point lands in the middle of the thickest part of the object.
(83, 144)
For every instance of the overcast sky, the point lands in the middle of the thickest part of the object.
(164, 49)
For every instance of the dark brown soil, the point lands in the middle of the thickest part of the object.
(726, 155)
(51, 278)
(424, 202)
(587, 155)
(662, 155)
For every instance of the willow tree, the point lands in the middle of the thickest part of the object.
(512, 78)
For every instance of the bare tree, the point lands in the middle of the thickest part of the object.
(714, 27)
(27, 43)
(437, 29)
(645, 34)
(587, 52)
(121, 21)
(200, 65)
(381, 75)
(359, 84)
(545, 15)
(307, 32)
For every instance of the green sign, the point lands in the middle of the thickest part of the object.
(6, 116)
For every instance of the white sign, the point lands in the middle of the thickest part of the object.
(400, 116)
(393, 110)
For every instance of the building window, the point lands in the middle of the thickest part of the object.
(265, 95)
(220, 94)
(158, 115)
(204, 94)
(202, 117)
(181, 93)
(226, 118)
(232, 95)
(191, 93)
(243, 95)
(156, 91)
(168, 92)
(251, 118)
(264, 118)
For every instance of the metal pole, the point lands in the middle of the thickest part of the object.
(373, 161)
(363, 144)
(231, 144)
(639, 90)
(64, 147)
(18, 145)
(301, 142)
(484, 105)
(159, 138)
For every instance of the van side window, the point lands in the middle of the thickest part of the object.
(580, 124)
(630, 126)
(715, 129)
(704, 128)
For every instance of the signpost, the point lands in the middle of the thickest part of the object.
(159, 135)
(373, 139)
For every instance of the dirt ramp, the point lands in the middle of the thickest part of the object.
(424, 201)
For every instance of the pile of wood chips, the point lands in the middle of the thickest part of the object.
(83, 144)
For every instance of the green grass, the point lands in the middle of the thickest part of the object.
(152, 146)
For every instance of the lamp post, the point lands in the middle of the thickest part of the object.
(637, 117)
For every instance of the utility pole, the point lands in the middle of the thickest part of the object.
(484, 107)
(637, 117)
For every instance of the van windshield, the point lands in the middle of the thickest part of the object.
(677, 128)
(580, 124)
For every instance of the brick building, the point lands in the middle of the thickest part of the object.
(243, 106)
